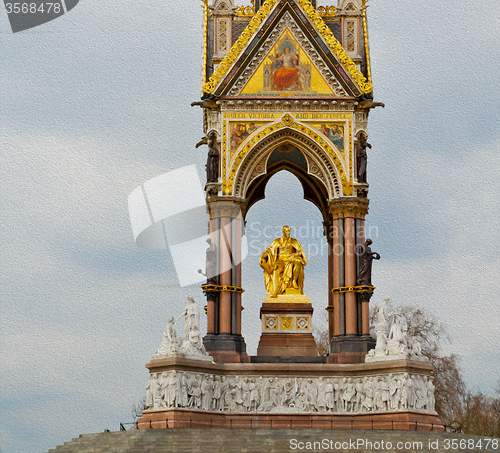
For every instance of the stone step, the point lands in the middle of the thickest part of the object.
(178, 440)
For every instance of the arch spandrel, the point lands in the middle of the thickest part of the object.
(326, 165)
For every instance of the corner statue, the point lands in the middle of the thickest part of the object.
(283, 264)
(365, 271)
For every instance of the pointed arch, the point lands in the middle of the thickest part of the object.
(320, 177)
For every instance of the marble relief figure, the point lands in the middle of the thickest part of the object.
(288, 394)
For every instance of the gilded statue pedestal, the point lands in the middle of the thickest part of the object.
(286, 329)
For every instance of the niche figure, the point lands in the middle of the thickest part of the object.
(212, 166)
(365, 271)
(210, 264)
(361, 158)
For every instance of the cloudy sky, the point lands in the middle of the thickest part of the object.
(95, 103)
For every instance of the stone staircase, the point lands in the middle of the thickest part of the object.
(260, 440)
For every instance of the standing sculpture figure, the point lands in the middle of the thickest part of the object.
(191, 316)
(211, 263)
(361, 158)
(283, 264)
(212, 166)
(365, 271)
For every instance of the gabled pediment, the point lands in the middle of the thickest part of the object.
(287, 50)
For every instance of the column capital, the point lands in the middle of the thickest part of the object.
(344, 207)
(224, 207)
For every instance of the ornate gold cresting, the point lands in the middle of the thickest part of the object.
(244, 11)
(367, 51)
(205, 41)
(327, 11)
(254, 24)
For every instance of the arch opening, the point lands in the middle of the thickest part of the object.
(290, 158)
(285, 203)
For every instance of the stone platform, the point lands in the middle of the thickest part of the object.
(178, 440)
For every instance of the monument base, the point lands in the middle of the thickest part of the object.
(286, 328)
(199, 394)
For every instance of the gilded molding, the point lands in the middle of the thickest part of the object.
(244, 11)
(289, 122)
(341, 208)
(339, 51)
(205, 41)
(327, 11)
(255, 23)
(367, 50)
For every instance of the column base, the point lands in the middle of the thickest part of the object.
(350, 348)
(226, 347)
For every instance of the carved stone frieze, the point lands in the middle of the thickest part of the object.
(360, 122)
(287, 22)
(380, 393)
(212, 122)
(292, 105)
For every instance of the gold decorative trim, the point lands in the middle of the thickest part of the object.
(299, 321)
(352, 289)
(287, 121)
(339, 51)
(205, 42)
(271, 323)
(254, 24)
(367, 50)
(327, 11)
(244, 11)
(219, 288)
(287, 323)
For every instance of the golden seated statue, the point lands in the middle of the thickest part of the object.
(283, 264)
